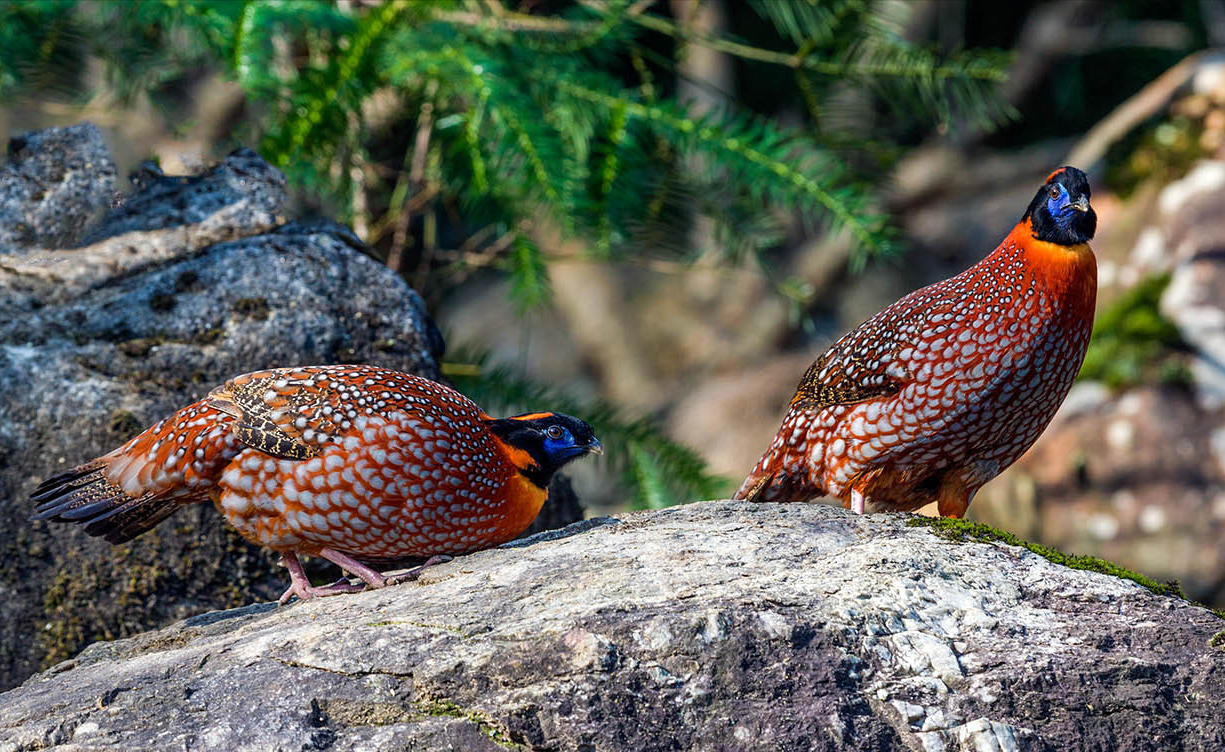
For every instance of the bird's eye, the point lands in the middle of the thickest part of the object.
(553, 432)
(1054, 191)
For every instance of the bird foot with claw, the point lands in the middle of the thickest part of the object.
(413, 574)
(307, 592)
(371, 580)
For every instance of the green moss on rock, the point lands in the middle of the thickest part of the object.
(448, 709)
(138, 348)
(93, 599)
(255, 308)
(961, 530)
(367, 712)
(65, 632)
(1161, 151)
(124, 424)
(209, 336)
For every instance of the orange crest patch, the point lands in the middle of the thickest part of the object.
(531, 416)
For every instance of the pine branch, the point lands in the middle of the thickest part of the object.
(529, 274)
(804, 22)
(371, 28)
(968, 79)
(512, 21)
(792, 171)
(988, 73)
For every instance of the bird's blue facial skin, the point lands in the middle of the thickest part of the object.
(1060, 207)
(550, 440)
(563, 447)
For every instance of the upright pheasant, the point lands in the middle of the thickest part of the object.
(938, 393)
(341, 462)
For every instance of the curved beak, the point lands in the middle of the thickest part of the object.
(1081, 204)
(595, 447)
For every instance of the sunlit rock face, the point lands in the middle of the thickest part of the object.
(717, 625)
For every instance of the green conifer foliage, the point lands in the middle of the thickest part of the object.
(533, 118)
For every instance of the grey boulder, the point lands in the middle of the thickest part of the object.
(54, 183)
(714, 626)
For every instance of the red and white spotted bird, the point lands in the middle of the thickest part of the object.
(940, 392)
(342, 462)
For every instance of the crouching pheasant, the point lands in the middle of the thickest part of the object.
(940, 392)
(342, 462)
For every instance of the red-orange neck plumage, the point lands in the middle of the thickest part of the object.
(523, 497)
(1069, 272)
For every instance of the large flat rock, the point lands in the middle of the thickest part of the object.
(720, 625)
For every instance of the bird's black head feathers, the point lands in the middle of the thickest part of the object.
(546, 441)
(1060, 212)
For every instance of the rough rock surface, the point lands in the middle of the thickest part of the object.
(54, 183)
(185, 283)
(715, 626)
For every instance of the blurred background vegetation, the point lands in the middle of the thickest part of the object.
(656, 213)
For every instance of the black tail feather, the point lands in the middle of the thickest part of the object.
(85, 496)
(65, 483)
(125, 523)
(90, 511)
(84, 487)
